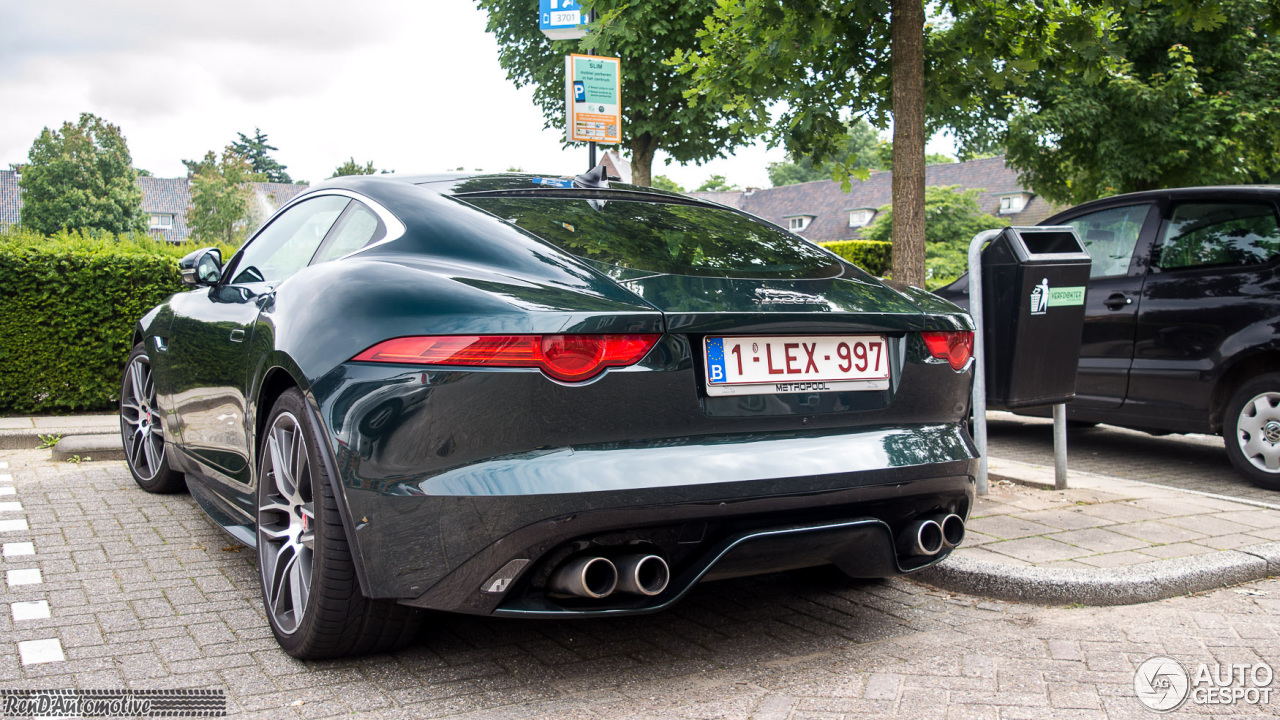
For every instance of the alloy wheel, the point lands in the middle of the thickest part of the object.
(286, 523)
(140, 423)
(1258, 430)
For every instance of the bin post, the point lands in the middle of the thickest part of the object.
(979, 355)
(1060, 446)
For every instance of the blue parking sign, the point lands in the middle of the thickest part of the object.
(561, 19)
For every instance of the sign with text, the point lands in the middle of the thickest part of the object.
(593, 98)
(561, 19)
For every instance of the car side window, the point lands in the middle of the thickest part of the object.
(288, 243)
(1217, 234)
(357, 227)
(1110, 237)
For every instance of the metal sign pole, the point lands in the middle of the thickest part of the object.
(591, 146)
(1060, 446)
(979, 354)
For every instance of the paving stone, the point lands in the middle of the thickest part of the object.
(1006, 527)
(1157, 532)
(1100, 540)
(1036, 550)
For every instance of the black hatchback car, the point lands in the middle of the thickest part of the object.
(1182, 317)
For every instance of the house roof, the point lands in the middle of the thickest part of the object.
(829, 205)
(160, 196)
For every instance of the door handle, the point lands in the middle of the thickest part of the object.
(1117, 301)
(237, 335)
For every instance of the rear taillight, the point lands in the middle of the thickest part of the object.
(954, 347)
(571, 358)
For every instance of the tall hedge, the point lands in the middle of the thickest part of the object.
(873, 256)
(68, 305)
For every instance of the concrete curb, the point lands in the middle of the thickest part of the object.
(1155, 580)
(89, 447)
(29, 438)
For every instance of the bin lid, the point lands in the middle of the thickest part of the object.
(1035, 245)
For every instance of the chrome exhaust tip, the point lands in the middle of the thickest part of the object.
(952, 530)
(922, 537)
(588, 577)
(643, 574)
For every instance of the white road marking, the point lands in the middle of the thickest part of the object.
(25, 576)
(6, 477)
(19, 548)
(13, 525)
(38, 610)
(34, 652)
(4, 465)
(7, 490)
(10, 507)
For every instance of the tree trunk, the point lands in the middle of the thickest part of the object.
(908, 141)
(642, 149)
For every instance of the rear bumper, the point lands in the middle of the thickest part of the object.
(710, 502)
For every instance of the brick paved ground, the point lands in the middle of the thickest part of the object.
(1108, 522)
(1194, 462)
(144, 593)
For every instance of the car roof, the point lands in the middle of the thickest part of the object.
(461, 183)
(1182, 193)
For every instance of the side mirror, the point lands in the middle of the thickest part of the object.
(202, 267)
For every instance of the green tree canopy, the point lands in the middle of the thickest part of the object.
(351, 167)
(1188, 103)
(952, 218)
(717, 183)
(656, 113)
(662, 182)
(861, 150)
(81, 178)
(823, 61)
(256, 150)
(221, 197)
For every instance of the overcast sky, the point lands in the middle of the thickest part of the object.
(411, 85)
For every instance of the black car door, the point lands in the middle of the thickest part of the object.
(213, 328)
(1212, 256)
(1116, 238)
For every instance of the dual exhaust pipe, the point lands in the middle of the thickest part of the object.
(929, 536)
(598, 577)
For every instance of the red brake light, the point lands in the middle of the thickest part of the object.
(954, 347)
(571, 358)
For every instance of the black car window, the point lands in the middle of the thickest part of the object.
(357, 227)
(1110, 236)
(1208, 234)
(666, 238)
(288, 243)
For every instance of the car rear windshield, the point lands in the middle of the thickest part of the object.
(665, 238)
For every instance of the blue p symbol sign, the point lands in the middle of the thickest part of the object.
(579, 91)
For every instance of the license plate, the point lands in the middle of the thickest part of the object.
(795, 364)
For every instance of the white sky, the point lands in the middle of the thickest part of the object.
(413, 86)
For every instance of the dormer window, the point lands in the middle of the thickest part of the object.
(160, 221)
(861, 217)
(798, 222)
(1012, 204)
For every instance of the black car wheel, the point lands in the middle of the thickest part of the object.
(1252, 431)
(309, 585)
(142, 429)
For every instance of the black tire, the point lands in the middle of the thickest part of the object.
(1251, 429)
(142, 431)
(299, 526)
